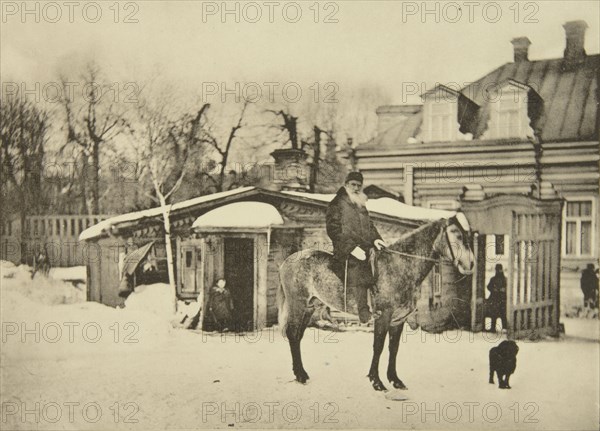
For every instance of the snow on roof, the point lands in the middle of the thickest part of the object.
(97, 229)
(240, 214)
(398, 209)
(388, 206)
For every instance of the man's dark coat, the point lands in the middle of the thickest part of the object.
(220, 304)
(497, 298)
(349, 226)
(589, 286)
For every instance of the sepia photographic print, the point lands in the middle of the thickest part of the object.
(299, 215)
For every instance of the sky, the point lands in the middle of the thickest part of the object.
(389, 44)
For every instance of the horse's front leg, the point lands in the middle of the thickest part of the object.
(381, 327)
(395, 333)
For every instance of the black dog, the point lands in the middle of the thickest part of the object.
(503, 361)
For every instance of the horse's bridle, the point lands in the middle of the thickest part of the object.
(449, 244)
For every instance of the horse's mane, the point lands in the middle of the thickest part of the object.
(409, 240)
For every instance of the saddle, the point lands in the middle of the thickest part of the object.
(328, 289)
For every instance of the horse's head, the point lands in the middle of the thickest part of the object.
(454, 243)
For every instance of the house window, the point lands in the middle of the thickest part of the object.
(499, 247)
(509, 118)
(509, 113)
(578, 228)
(441, 121)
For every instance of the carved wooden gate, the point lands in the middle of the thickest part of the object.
(534, 289)
(533, 278)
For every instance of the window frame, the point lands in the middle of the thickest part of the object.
(449, 119)
(578, 220)
(516, 107)
(499, 240)
(519, 99)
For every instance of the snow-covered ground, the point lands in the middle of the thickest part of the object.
(75, 365)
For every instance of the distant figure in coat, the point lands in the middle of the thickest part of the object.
(497, 300)
(354, 239)
(589, 286)
(41, 263)
(220, 305)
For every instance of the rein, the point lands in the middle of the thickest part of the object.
(458, 281)
(415, 256)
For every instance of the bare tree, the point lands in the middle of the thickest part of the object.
(23, 135)
(224, 149)
(289, 127)
(341, 126)
(163, 144)
(94, 117)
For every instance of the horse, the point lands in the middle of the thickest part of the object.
(307, 274)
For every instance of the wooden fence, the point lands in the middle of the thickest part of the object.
(58, 235)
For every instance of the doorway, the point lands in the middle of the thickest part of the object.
(239, 273)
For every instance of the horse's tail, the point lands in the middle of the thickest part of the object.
(282, 306)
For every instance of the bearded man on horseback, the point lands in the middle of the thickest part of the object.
(354, 238)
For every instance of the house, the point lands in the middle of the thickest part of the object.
(243, 235)
(529, 128)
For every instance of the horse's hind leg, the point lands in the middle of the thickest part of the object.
(294, 335)
(395, 333)
(379, 333)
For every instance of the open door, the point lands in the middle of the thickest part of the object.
(239, 274)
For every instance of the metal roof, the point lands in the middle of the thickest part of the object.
(570, 97)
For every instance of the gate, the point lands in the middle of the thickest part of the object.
(534, 265)
(533, 228)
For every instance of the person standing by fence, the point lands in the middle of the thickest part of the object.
(589, 286)
(497, 299)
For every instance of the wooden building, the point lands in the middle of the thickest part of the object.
(529, 127)
(243, 235)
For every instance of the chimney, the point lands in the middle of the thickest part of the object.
(521, 48)
(291, 170)
(575, 34)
